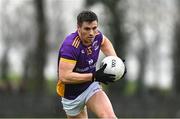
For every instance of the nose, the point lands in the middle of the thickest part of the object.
(91, 33)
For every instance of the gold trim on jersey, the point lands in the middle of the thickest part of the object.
(76, 42)
(60, 88)
(102, 37)
(68, 60)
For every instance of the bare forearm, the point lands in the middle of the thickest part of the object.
(75, 78)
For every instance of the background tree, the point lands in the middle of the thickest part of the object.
(176, 54)
(39, 54)
(6, 27)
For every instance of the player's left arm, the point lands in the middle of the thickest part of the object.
(107, 47)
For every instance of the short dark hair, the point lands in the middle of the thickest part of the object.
(87, 16)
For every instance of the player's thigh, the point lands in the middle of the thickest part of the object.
(82, 115)
(100, 104)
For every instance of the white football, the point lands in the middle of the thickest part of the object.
(114, 66)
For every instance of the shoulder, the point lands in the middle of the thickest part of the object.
(99, 37)
(70, 47)
(102, 37)
(99, 34)
(72, 40)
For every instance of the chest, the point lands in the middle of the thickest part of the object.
(88, 55)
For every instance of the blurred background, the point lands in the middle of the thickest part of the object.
(145, 33)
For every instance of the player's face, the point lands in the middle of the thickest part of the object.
(88, 31)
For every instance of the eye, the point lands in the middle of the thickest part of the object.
(87, 29)
(94, 28)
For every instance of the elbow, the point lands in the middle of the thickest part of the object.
(63, 79)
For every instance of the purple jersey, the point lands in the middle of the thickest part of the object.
(85, 57)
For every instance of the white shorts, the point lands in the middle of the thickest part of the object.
(74, 107)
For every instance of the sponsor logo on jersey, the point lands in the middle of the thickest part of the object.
(95, 45)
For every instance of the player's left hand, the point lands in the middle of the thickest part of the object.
(100, 76)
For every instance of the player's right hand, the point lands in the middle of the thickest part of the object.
(100, 76)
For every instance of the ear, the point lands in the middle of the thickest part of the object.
(78, 26)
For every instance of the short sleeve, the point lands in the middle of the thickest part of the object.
(67, 51)
(99, 36)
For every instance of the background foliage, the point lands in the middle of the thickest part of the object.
(144, 32)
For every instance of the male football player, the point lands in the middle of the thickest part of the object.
(79, 82)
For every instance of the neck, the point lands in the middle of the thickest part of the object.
(83, 41)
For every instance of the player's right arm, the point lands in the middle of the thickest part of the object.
(67, 76)
(67, 61)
